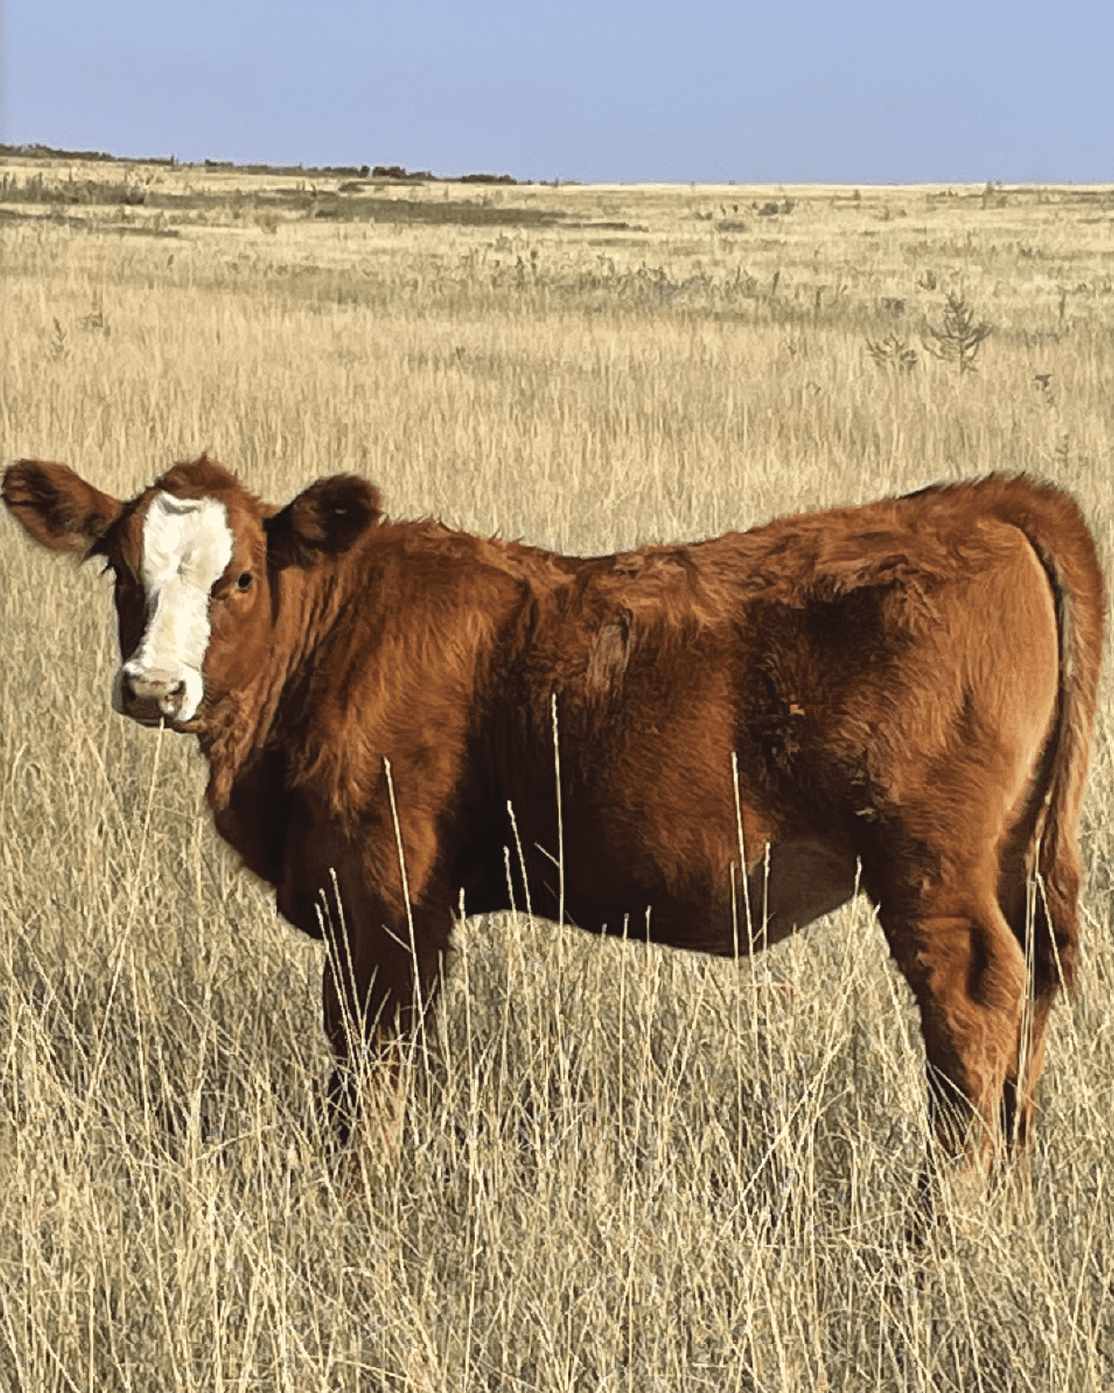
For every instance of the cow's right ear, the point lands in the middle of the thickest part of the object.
(56, 507)
(326, 520)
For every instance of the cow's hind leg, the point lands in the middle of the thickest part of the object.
(967, 971)
(1041, 911)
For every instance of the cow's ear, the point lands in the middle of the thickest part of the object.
(325, 520)
(56, 507)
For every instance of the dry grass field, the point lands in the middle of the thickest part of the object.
(622, 1169)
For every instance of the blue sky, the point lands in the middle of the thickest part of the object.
(863, 91)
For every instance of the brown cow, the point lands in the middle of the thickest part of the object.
(900, 694)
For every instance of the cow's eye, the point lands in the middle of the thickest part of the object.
(244, 581)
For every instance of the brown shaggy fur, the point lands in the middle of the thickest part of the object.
(907, 689)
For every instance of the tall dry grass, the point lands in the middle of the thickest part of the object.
(623, 1168)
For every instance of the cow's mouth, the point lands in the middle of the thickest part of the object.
(147, 712)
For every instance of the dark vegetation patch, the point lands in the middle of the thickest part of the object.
(73, 192)
(487, 179)
(462, 212)
(609, 226)
(15, 217)
(295, 202)
(397, 171)
(139, 230)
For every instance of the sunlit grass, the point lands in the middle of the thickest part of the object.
(622, 1168)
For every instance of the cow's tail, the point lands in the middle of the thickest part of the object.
(1058, 533)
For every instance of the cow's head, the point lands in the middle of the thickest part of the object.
(196, 560)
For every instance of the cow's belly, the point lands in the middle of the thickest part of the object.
(800, 880)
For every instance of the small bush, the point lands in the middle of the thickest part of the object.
(959, 338)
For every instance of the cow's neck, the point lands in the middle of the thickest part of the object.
(237, 730)
(244, 722)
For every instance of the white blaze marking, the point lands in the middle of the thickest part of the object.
(187, 543)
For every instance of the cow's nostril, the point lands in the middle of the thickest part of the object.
(171, 701)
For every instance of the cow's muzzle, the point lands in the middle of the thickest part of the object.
(149, 695)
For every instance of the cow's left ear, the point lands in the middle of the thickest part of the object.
(325, 520)
(57, 507)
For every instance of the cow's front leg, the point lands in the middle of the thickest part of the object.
(379, 983)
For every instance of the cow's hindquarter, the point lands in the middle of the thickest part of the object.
(1041, 870)
(970, 720)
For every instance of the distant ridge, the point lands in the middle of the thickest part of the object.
(340, 171)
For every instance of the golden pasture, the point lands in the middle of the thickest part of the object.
(622, 1169)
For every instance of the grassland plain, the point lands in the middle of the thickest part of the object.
(623, 1169)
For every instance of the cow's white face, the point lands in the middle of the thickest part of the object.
(198, 565)
(186, 547)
